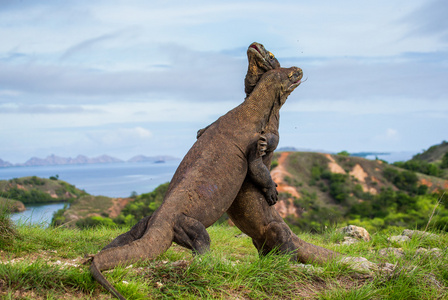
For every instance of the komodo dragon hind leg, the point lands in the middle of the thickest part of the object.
(277, 238)
(191, 234)
(133, 234)
(188, 233)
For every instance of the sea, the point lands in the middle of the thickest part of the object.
(112, 180)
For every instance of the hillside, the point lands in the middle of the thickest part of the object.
(34, 190)
(433, 161)
(434, 153)
(88, 210)
(317, 190)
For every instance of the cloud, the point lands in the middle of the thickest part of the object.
(118, 137)
(390, 136)
(205, 76)
(361, 80)
(86, 45)
(44, 109)
(430, 19)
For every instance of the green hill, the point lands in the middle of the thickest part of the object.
(433, 161)
(90, 211)
(319, 190)
(434, 153)
(34, 190)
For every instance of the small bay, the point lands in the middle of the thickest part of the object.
(111, 180)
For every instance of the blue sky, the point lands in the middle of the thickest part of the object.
(141, 77)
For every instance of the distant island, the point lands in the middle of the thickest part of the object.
(53, 160)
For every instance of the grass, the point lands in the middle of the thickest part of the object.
(49, 264)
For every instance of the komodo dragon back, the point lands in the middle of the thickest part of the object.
(206, 181)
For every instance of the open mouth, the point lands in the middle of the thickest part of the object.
(255, 47)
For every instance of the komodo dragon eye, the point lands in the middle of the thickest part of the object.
(271, 56)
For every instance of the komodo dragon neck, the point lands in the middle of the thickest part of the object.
(261, 105)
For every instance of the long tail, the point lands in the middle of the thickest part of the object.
(96, 273)
(153, 243)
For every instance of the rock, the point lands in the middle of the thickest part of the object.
(356, 232)
(410, 233)
(180, 263)
(397, 252)
(398, 238)
(241, 235)
(310, 268)
(349, 240)
(387, 268)
(433, 252)
(359, 264)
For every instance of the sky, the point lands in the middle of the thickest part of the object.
(125, 78)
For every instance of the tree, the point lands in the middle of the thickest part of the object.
(344, 153)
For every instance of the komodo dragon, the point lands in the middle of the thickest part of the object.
(251, 212)
(207, 180)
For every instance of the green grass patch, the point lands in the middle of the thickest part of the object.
(49, 264)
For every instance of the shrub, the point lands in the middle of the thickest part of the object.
(405, 180)
(95, 221)
(343, 153)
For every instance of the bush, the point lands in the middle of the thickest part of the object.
(420, 166)
(30, 196)
(406, 180)
(143, 205)
(95, 221)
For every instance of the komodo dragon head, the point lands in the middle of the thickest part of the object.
(260, 61)
(295, 75)
(282, 80)
(287, 78)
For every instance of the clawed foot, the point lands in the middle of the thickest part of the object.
(271, 195)
(262, 145)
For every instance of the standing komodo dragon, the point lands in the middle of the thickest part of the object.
(251, 212)
(207, 180)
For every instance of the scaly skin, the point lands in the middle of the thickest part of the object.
(206, 182)
(251, 212)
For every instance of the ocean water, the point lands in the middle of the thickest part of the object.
(112, 180)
